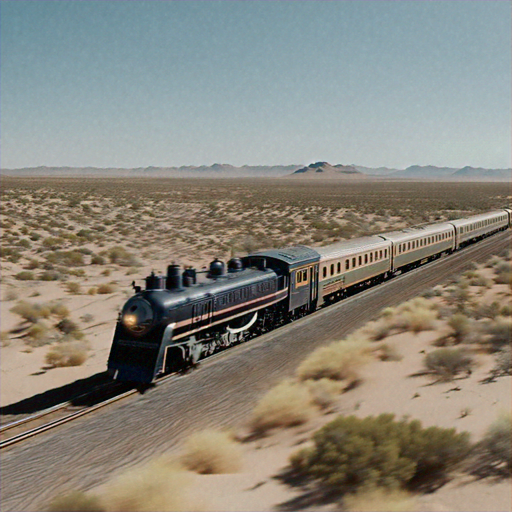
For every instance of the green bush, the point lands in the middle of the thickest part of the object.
(448, 362)
(351, 452)
(25, 275)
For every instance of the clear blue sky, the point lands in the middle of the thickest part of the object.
(138, 83)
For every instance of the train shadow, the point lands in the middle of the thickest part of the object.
(78, 393)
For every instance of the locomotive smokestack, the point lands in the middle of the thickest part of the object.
(173, 280)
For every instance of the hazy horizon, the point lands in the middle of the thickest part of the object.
(113, 84)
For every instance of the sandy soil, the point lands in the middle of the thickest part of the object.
(387, 386)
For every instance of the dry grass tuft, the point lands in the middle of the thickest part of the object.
(324, 392)
(212, 452)
(285, 405)
(379, 500)
(417, 315)
(158, 486)
(72, 353)
(76, 501)
(338, 361)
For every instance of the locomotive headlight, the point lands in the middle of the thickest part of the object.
(137, 316)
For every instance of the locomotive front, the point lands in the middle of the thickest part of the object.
(143, 331)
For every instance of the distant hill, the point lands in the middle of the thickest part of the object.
(433, 173)
(326, 170)
(476, 173)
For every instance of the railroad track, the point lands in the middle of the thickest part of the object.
(65, 412)
(59, 414)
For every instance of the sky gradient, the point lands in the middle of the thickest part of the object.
(169, 83)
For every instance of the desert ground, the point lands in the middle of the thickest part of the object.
(72, 247)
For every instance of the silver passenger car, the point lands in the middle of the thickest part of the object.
(351, 262)
(413, 246)
(479, 226)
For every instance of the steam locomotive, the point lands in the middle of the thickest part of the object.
(185, 315)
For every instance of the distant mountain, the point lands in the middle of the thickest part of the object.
(425, 172)
(315, 170)
(433, 173)
(326, 170)
(476, 173)
(189, 171)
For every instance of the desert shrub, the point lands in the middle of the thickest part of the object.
(87, 318)
(71, 353)
(459, 297)
(379, 500)
(503, 364)
(324, 392)
(96, 259)
(121, 256)
(448, 362)
(11, 295)
(417, 315)
(73, 287)
(106, 288)
(494, 451)
(486, 310)
(76, 501)
(503, 278)
(31, 312)
(92, 291)
(211, 452)
(351, 452)
(5, 338)
(25, 275)
(500, 331)
(337, 361)
(388, 352)
(52, 242)
(156, 486)
(506, 310)
(459, 326)
(32, 264)
(49, 275)
(67, 326)
(58, 309)
(383, 327)
(285, 405)
(37, 333)
(503, 267)
(67, 258)
(10, 254)
(24, 243)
